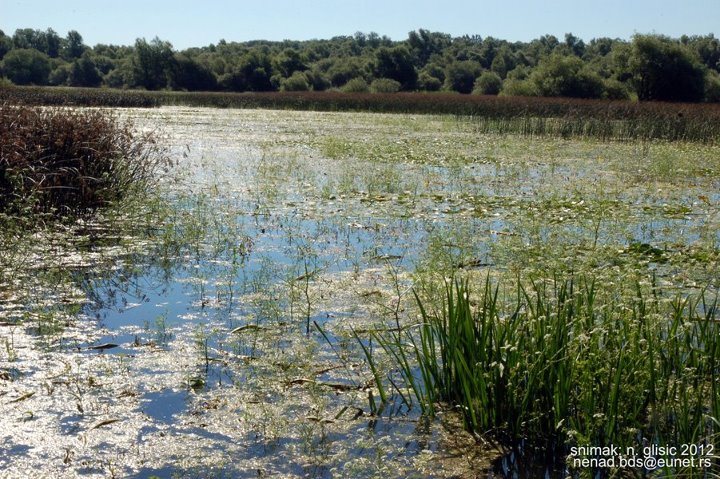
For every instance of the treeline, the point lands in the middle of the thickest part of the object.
(649, 67)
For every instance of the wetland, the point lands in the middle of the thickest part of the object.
(244, 317)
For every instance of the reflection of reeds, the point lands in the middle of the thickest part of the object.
(69, 159)
(616, 120)
(565, 362)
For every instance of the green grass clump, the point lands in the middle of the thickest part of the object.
(566, 362)
(64, 160)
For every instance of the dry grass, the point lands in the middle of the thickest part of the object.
(64, 160)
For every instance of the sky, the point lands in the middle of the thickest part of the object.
(191, 23)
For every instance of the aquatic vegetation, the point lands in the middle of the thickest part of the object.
(64, 96)
(71, 160)
(565, 362)
(227, 321)
(536, 116)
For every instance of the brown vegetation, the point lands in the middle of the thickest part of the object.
(65, 160)
(566, 117)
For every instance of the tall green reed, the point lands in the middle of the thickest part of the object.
(564, 361)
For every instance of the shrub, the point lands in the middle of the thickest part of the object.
(396, 63)
(188, 74)
(317, 80)
(616, 90)
(385, 85)
(296, 82)
(428, 82)
(712, 87)
(489, 83)
(664, 70)
(26, 66)
(566, 76)
(460, 76)
(520, 72)
(356, 85)
(84, 73)
(513, 87)
(63, 160)
(59, 76)
(343, 70)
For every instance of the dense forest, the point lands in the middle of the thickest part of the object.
(649, 67)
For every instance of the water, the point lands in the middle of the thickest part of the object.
(231, 322)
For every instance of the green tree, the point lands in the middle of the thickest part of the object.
(615, 90)
(47, 42)
(152, 63)
(342, 70)
(515, 87)
(73, 46)
(503, 62)
(104, 64)
(188, 74)
(712, 87)
(295, 82)
(356, 85)
(317, 80)
(485, 52)
(600, 47)
(559, 75)
(257, 69)
(112, 52)
(288, 62)
(539, 48)
(6, 44)
(53, 43)
(435, 70)
(84, 72)
(574, 45)
(489, 83)
(396, 63)
(233, 81)
(655, 67)
(121, 76)
(428, 82)
(460, 76)
(24, 66)
(253, 73)
(708, 49)
(662, 69)
(424, 44)
(384, 85)
(520, 72)
(60, 74)
(374, 40)
(27, 38)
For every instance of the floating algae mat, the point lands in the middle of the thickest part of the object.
(209, 330)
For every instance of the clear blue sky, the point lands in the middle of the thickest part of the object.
(187, 23)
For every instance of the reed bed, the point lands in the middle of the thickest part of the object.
(68, 160)
(68, 96)
(565, 117)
